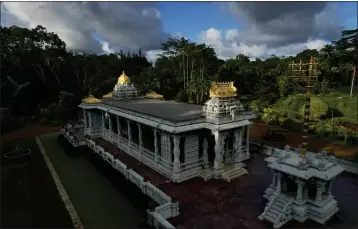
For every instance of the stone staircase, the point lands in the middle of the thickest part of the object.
(206, 174)
(278, 211)
(233, 173)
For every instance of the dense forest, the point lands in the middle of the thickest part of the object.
(41, 78)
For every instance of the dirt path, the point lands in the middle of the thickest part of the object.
(29, 131)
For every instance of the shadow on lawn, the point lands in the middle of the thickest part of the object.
(130, 191)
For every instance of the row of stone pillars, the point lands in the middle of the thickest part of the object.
(176, 138)
(302, 189)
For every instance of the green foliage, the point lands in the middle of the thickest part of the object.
(318, 108)
(66, 99)
(347, 106)
(10, 124)
(56, 112)
(36, 63)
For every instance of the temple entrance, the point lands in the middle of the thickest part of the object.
(312, 189)
(291, 185)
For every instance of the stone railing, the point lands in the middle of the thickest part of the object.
(168, 207)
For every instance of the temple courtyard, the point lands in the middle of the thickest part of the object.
(219, 204)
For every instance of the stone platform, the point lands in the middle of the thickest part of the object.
(218, 204)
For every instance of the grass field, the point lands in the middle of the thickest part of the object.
(98, 202)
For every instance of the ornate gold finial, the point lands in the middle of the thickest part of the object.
(91, 99)
(153, 95)
(123, 79)
(222, 90)
(108, 96)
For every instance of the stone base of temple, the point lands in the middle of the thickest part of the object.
(76, 139)
(233, 173)
(282, 205)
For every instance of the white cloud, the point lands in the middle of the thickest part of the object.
(152, 55)
(226, 45)
(122, 25)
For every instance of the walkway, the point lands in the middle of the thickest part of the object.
(98, 203)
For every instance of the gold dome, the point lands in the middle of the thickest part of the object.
(123, 79)
(153, 95)
(91, 99)
(108, 96)
(223, 90)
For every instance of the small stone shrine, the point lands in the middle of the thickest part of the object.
(301, 187)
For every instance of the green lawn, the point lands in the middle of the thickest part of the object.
(98, 203)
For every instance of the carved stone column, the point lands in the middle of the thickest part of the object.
(205, 153)
(237, 146)
(140, 137)
(227, 153)
(247, 141)
(90, 120)
(329, 188)
(156, 149)
(320, 187)
(176, 153)
(85, 118)
(274, 180)
(129, 135)
(102, 122)
(219, 152)
(110, 124)
(278, 187)
(300, 184)
(118, 130)
(119, 126)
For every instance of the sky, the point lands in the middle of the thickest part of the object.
(255, 29)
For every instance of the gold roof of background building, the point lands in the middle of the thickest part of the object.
(108, 96)
(123, 79)
(154, 95)
(91, 99)
(223, 90)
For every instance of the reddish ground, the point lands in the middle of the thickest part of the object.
(29, 131)
(29, 197)
(294, 139)
(218, 204)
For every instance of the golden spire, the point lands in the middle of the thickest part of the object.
(91, 99)
(153, 95)
(108, 96)
(223, 90)
(123, 79)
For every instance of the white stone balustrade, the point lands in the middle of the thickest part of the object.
(168, 207)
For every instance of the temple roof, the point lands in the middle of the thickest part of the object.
(223, 90)
(167, 110)
(317, 165)
(123, 79)
(91, 99)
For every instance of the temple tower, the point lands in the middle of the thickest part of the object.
(124, 89)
